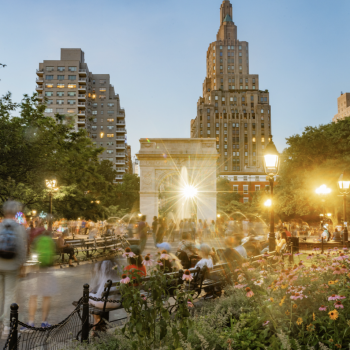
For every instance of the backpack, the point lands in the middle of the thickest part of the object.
(46, 249)
(8, 244)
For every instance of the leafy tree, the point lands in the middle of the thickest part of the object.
(225, 193)
(317, 156)
(128, 191)
(34, 147)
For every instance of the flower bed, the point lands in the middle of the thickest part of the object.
(300, 306)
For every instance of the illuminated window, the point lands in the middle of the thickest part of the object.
(60, 86)
(72, 86)
(103, 89)
(102, 134)
(71, 110)
(110, 120)
(253, 139)
(110, 135)
(49, 86)
(263, 139)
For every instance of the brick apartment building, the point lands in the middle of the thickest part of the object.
(89, 100)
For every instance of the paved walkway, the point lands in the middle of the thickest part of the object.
(70, 288)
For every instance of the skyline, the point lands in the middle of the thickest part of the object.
(161, 66)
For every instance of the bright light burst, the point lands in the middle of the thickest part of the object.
(189, 191)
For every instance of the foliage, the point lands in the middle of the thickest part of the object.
(149, 315)
(317, 156)
(225, 193)
(127, 192)
(34, 147)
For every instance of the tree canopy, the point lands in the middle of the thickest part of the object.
(34, 148)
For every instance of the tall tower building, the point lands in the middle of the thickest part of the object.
(87, 99)
(233, 109)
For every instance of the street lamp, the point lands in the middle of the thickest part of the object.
(344, 188)
(271, 166)
(52, 186)
(322, 191)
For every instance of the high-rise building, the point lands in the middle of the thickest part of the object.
(343, 107)
(233, 109)
(88, 100)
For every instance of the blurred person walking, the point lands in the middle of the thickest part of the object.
(154, 229)
(13, 254)
(142, 231)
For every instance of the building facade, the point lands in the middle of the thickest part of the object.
(88, 100)
(343, 107)
(233, 109)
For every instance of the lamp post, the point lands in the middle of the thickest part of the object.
(322, 191)
(344, 188)
(271, 166)
(52, 186)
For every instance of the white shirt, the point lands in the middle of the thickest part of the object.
(205, 262)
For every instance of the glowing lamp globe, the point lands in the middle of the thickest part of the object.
(344, 183)
(189, 191)
(271, 159)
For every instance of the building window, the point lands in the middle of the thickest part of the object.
(245, 200)
(103, 89)
(61, 69)
(245, 189)
(208, 132)
(225, 168)
(48, 110)
(71, 102)
(71, 93)
(256, 178)
(257, 188)
(49, 69)
(60, 86)
(60, 102)
(72, 69)
(72, 110)
(94, 112)
(49, 86)
(49, 102)
(110, 112)
(103, 81)
(72, 86)
(102, 97)
(110, 135)
(94, 136)
(110, 120)
(110, 127)
(49, 93)
(225, 146)
(263, 139)
(72, 77)
(109, 151)
(48, 77)
(245, 178)
(60, 77)
(110, 104)
(217, 146)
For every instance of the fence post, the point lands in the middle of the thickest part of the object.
(85, 319)
(14, 322)
(322, 244)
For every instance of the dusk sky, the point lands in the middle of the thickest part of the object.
(155, 53)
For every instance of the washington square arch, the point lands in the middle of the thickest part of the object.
(179, 174)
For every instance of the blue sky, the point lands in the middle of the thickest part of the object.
(155, 52)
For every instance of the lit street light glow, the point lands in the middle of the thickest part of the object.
(323, 189)
(268, 203)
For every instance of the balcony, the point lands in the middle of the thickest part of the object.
(81, 121)
(81, 113)
(121, 130)
(83, 72)
(121, 123)
(119, 177)
(120, 170)
(82, 80)
(82, 97)
(39, 88)
(40, 96)
(120, 147)
(39, 81)
(40, 72)
(81, 104)
(120, 138)
(82, 88)
(120, 162)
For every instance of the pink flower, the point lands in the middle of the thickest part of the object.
(297, 254)
(323, 308)
(266, 323)
(249, 292)
(143, 297)
(159, 263)
(341, 297)
(128, 253)
(187, 276)
(189, 304)
(258, 283)
(345, 248)
(147, 261)
(315, 248)
(338, 305)
(164, 255)
(239, 286)
(337, 271)
(333, 297)
(125, 279)
(309, 256)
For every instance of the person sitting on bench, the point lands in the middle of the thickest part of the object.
(66, 249)
(186, 249)
(135, 263)
(205, 253)
(233, 253)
